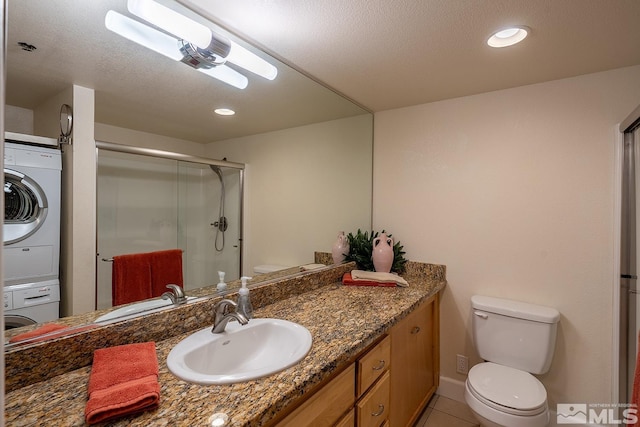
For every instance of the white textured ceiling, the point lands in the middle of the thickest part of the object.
(138, 89)
(394, 53)
(382, 54)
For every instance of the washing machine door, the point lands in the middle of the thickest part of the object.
(12, 321)
(25, 207)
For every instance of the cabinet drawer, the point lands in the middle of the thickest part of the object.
(373, 364)
(373, 409)
(326, 406)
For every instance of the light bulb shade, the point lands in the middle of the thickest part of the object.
(508, 36)
(224, 112)
(251, 62)
(192, 43)
(143, 35)
(227, 75)
(165, 45)
(171, 21)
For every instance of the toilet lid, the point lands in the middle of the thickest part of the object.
(507, 387)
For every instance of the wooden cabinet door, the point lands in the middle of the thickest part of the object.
(325, 407)
(349, 420)
(415, 370)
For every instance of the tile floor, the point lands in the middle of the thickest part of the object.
(445, 412)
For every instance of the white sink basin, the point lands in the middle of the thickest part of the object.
(240, 353)
(136, 309)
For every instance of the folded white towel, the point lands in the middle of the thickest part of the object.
(376, 276)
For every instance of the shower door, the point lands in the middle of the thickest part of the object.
(211, 243)
(147, 204)
(629, 262)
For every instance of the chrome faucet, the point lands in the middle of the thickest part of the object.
(176, 295)
(221, 315)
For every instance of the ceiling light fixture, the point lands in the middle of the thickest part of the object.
(190, 42)
(224, 111)
(508, 36)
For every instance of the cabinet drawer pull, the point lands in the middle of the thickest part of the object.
(380, 411)
(380, 366)
(415, 330)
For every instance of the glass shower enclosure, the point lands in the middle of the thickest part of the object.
(150, 200)
(629, 294)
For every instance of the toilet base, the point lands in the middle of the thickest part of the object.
(490, 417)
(485, 422)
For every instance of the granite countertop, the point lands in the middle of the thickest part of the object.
(342, 320)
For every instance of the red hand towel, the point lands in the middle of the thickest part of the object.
(131, 278)
(123, 381)
(166, 269)
(347, 280)
(44, 329)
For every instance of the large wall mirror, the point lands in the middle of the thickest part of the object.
(307, 150)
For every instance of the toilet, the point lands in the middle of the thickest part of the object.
(516, 340)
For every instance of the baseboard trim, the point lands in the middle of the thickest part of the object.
(452, 389)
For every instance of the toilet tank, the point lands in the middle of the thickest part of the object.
(513, 333)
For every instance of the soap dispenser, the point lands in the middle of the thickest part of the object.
(244, 302)
(221, 285)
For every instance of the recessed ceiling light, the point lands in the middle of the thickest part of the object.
(508, 36)
(224, 111)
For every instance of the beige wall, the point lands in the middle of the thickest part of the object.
(18, 120)
(302, 186)
(78, 220)
(514, 191)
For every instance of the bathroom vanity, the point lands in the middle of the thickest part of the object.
(388, 384)
(374, 359)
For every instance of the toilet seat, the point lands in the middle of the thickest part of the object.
(507, 389)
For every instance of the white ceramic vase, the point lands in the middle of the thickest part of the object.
(383, 253)
(340, 248)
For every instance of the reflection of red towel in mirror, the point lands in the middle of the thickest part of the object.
(136, 277)
(166, 269)
(130, 278)
(44, 329)
(50, 331)
(123, 381)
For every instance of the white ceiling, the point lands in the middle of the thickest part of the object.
(382, 54)
(393, 53)
(136, 88)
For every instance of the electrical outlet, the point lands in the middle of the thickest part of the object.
(462, 364)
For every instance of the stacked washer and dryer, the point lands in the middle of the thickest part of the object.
(31, 229)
